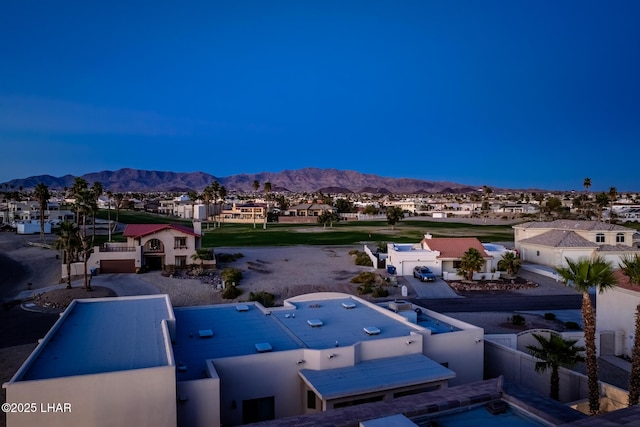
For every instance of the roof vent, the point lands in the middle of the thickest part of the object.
(371, 330)
(263, 347)
(348, 305)
(205, 333)
(242, 307)
(315, 323)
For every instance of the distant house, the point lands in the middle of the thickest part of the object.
(245, 213)
(441, 255)
(152, 246)
(550, 243)
(309, 209)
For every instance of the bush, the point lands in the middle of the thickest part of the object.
(363, 259)
(380, 292)
(364, 277)
(517, 320)
(550, 316)
(231, 292)
(265, 298)
(231, 275)
(354, 252)
(572, 326)
(365, 288)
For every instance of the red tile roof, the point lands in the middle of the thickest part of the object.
(624, 282)
(454, 247)
(139, 230)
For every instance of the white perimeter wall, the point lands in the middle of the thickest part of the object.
(615, 311)
(141, 397)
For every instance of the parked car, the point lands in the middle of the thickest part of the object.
(424, 274)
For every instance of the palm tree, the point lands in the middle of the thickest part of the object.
(207, 195)
(215, 189)
(68, 241)
(267, 190)
(193, 195)
(118, 197)
(510, 262)
(602, 201)
(630, 267)
(96, 192)
(584, 274)
(553, 353)
(223, 194)
(256, 185)
(85, 204)
(109, 197)
(42, 195)
(587, 184)
(470, 262)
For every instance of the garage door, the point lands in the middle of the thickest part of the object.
(117, 266)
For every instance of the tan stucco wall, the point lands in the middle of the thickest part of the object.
(615, 311)
(141, 397)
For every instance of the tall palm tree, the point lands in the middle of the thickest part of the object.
(193, 195)
(118, 197)
(586, 184)
(86, 205)
(42, 195)
(256, 185)
(470, 262)
(215, 189)
(553, 353)
(267, 190)
(96, 192)
(222, 192)
(109, 197)
(630, 267)
(68, 241)
(584, 274)
(207, 195)
(602, 201)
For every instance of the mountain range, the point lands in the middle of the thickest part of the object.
(300, 180)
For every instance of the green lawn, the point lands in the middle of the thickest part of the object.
(342, 233)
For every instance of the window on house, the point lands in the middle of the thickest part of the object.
(620, 238)
(180, 243)
(181, 261)
(457, 264)
(261, 409)
(311, 399)
(600, 238)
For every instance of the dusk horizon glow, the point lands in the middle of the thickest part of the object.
(507, 94)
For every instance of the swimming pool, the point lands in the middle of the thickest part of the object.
(480, 417)
(436, 326)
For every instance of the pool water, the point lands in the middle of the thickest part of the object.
(436, 326)
(481, 417)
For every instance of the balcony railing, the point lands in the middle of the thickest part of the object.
(117, 249)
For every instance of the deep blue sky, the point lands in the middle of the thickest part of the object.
(501, 93)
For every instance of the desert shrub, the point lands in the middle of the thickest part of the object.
(380, 292)
(365, 288)
(572, 326)
(231, 275)
(205, 254)
(364, 277)
(517, 319)
(265, 298)
(231, 292)
(550, 316)
(354, 252)
(381, 247)
(224, 257)
(363, 259)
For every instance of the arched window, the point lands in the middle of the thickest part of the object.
(620, 238)
(600, 238)
(153, 245)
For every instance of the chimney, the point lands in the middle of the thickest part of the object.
(197, 228)
(428, 236)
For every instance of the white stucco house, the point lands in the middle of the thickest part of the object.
(152, 246)
(145, 363)
(442, 255)
(550, 243)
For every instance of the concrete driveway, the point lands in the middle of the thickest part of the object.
(437, 289)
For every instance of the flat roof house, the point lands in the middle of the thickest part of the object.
(137, 361)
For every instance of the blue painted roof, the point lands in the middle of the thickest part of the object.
(106, 335)
(375, 375)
